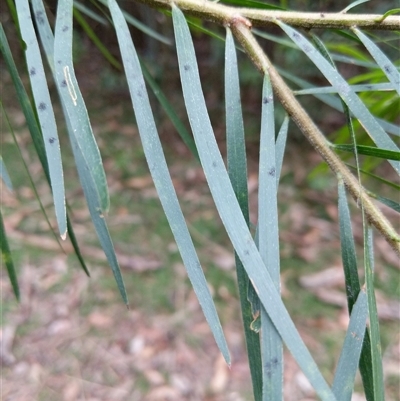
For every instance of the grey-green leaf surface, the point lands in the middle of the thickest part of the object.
(45, 113)
(97, 216)
(74, 104)
(343, 382)
(235, 138)
(268, 245)
(237, 170)
(357, 107)
(390, 70)
(4, 175)
(352, 285)
(280, 147)
(47, 40)
(352, 5)
(374, 331)
(86, 153)
(162, 180)
(7, 259)
(387, 86)
(229, 209)
(33, 126)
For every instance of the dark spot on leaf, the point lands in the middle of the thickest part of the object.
(186, 67)
(42, 106)
(322, 15)
(307, 48)
(270, 366)
(265, 100)
(52, 140)
(387, 68)
(246, 252)
(65, 28)
(214, 164)
(39, 17)
(32, 71)
(139, 93)
(271, 172)
(63, 83)
(295, 35)
(58, 61)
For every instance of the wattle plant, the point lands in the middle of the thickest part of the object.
(267, 323)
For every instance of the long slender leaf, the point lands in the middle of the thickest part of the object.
(268, 245)
(337, 57)
(280, 147)
(380, 179)
(356, 88)
(34, 131)
(341, 386)
(33, 126)
(368, 151)
(45, 113)
(237, 170)
(90, 13)
(46, 37)
(4, 175)
(86, 153)
(352, 284)
(353, 4)
(382, 60)
(348, 249)
(31, 180)
(386, 201)
(345, 374)
(356, 106)
(162, 180)
(229, 209)
(374, 332)
(97, 216)
(74, 104)
(7, 259)
(387, 13)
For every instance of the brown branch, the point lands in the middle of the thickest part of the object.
(221, 13)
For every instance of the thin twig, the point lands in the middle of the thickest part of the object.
(221, 13)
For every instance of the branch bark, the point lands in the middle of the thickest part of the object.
(221, 13)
